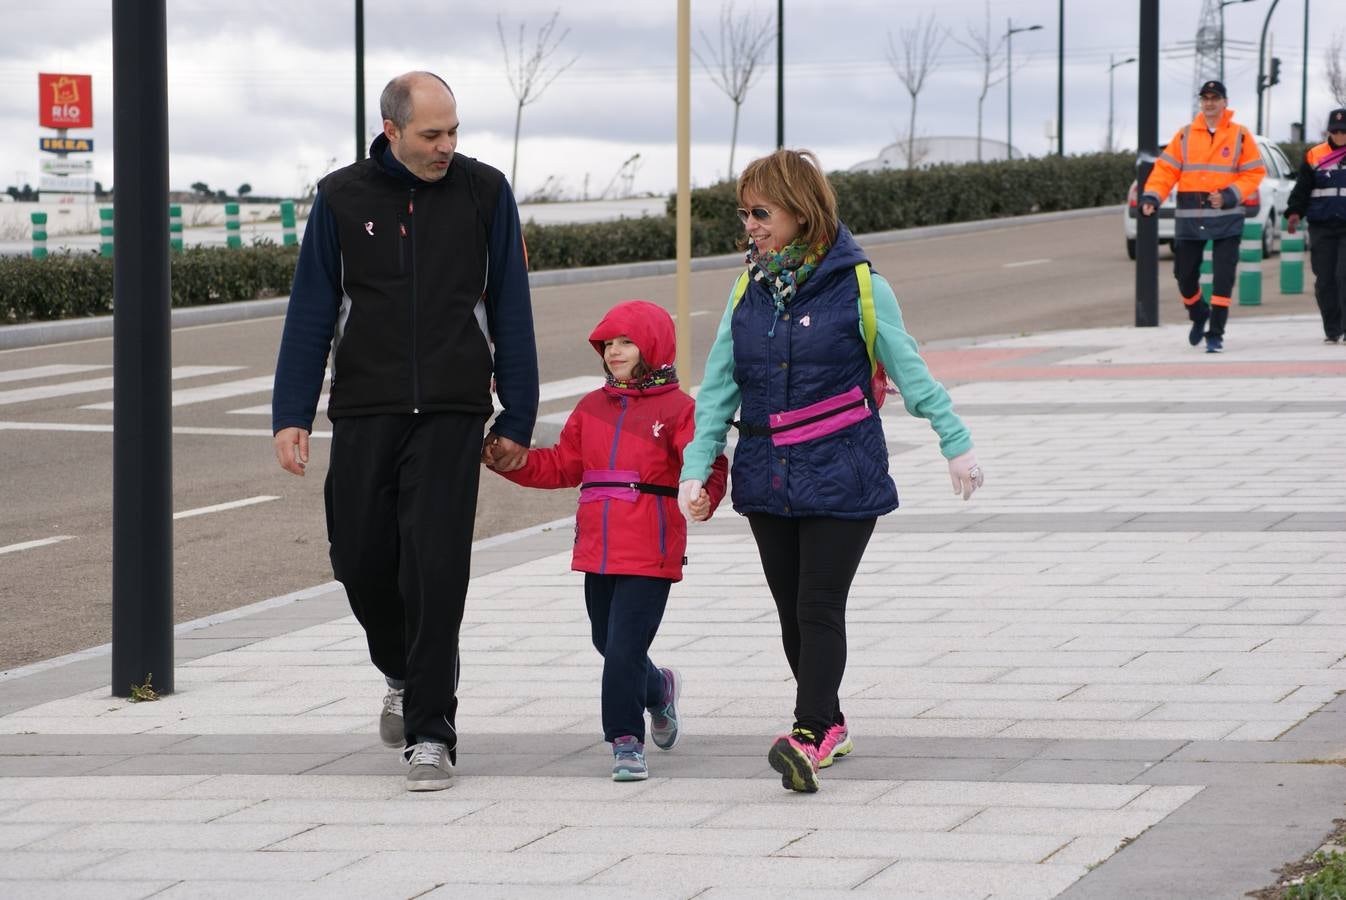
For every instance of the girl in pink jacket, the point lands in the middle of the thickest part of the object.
(622, 445)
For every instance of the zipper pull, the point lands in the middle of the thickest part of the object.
(402, 228)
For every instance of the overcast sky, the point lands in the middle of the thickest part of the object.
(262, 92)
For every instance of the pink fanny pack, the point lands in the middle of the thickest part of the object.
(618, 484)
(816, 420)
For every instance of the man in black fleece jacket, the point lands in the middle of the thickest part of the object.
(413, 273)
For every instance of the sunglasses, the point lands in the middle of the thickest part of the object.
(760, 213)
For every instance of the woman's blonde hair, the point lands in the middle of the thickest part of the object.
(794, 180)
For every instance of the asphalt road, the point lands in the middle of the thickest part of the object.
(57, 481)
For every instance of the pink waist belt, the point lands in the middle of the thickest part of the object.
(618, 484)
(811, 422)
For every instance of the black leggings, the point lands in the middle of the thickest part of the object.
(809, 565)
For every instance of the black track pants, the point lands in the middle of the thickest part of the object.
(809, 565)
(401, 497)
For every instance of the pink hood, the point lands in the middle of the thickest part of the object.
(647, 324)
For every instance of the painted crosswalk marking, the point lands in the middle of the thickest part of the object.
(221, 507)
(52, 371)
(91, 385)
(208, 392)
(29, 545)
(551, 390)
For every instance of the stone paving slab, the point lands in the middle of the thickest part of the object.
(1107, 675)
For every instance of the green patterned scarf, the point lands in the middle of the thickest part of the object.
(785, 270)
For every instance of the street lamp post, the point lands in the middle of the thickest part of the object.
(1009, 82)
(1111, 66)
(1261, 64)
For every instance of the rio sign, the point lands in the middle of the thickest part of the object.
(65, 101)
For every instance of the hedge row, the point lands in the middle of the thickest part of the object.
(70, 285)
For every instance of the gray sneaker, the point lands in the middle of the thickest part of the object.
(431, 769)
(628, 760)
(664, 717)
(391, 729)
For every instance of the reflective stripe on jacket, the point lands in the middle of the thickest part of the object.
(1320, 190)
(1199, 161)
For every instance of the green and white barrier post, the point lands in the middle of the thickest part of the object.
(1250, 264)
(105, 231)
(39, 235)
(287, 232)
(175, 227)
(1292, 260)
(1207, 271)
(235, 238)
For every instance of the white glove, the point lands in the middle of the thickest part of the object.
(965, 474)
(688, 491)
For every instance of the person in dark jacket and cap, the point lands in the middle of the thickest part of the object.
(811, 467)
(1320, 197)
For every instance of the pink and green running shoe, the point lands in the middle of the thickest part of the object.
(795, 757)
(836, 744)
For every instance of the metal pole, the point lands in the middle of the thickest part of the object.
(1304, 81)
(1112, 67)
(1222, 6)
(1147, 143)
(1262, 62)
(142, 451)
(359, 80)
(780, 74)
(1009, 89)
(1061, 78)
(684, 221)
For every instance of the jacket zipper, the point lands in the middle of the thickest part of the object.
(612, 462)
(415, 369)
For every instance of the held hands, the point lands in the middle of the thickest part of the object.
(1292, 223)
(291, 446)
(965, 474)
(502, 454)
(693, 500)
(1216, 199)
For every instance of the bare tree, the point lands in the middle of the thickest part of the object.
(913, 63)
(989, 47)
(530, 75)
(1336, 72)
(743, 42)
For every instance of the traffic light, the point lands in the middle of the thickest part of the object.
(1275, 76)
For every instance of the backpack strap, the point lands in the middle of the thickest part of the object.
(869, 320)
(740, 287)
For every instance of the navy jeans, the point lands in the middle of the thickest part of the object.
(624, 614)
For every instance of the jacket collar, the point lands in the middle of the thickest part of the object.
(381, 152)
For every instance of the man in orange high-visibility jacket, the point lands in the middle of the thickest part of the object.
(1217, 167)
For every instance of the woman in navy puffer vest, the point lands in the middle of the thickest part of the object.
(811, 467)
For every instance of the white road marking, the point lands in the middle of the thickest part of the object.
(208, 392)
(220, 507)
(107, 429)
(51, 371)
(700, 312)
(90, 385)
(28, 545)
(264, 409)
(1026, 262)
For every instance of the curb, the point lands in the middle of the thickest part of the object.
(34, 334)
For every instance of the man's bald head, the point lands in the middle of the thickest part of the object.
(396, 101)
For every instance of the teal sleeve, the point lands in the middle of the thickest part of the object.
(921, 393)
(716, 402)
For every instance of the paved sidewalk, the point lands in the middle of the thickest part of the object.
(1114, 673)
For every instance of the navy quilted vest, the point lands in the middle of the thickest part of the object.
(816, 352)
